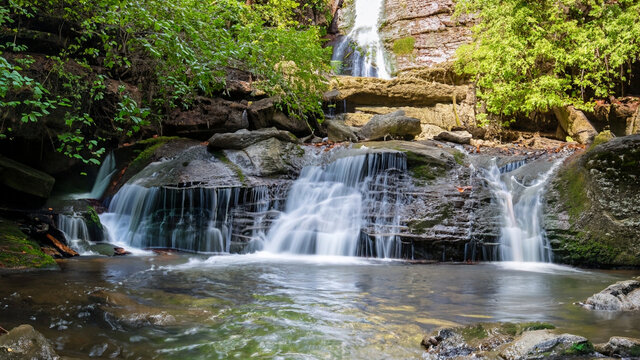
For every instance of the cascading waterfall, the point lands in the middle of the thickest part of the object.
(76, 231)
(522, 237)
(328, 209)
(190, 219)
(364, 43)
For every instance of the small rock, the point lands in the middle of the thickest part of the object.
(620, 347)
(24, 342)
(621, 296)
(458, 137)
(118, 251)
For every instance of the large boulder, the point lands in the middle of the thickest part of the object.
(444, 115)
(575, 124)
(621, 296)
(400, 91)
(338, 131)
(391, 126)
(24, 342)
(592, 214)
(244, 138)
(205, 117)
(24, 179)
(273, 157)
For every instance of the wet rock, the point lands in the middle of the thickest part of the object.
(593, 206)
(338, 131)
(205, 117)
(621, 296)
(24, 179)
(620, 347)
(244, 138)
(24, 342)
(575, 124)
(458, 137)
(391, 126)
(545, 344)
(505, 341)
(273, 157)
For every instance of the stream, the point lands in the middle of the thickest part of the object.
(294, 307)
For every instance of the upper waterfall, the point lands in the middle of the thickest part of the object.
(363, 43)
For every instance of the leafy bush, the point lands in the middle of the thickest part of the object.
(535, 55)
(173, 50)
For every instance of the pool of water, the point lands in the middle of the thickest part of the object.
(263, 306)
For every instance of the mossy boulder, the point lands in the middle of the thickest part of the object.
(18, 252)
(593, 206)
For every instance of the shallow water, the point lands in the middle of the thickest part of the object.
(267, 306)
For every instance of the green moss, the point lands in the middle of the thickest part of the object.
(419, 226)
(601, 138)
(471, 333)
(404, 46)
(219, 154)
(17, 251)
(580, 349)
(635, 351)
(150, 147)
(517, 329)
(92, 217)
(536, 326)
(458, 156)
(587, 251)
(575, 182)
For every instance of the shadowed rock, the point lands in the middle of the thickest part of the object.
(391, 126)
(244, 138)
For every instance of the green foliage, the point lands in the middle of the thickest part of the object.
(535, 55)
(19, 252)
(175, 50)
(404, 46)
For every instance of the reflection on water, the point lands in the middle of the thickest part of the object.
(268, 306)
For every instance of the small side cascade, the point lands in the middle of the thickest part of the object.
(76, 231)
(330, 210)
(192, 219)
(105, 173)
(363, 46)
(522, 237)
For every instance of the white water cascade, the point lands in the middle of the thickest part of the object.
(522, 237)
(75, 230)
(363, 42)
(106, 171)
(328, 209)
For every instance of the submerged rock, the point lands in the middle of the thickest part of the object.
(245, 138)
(391, 126)
(621, 296)
(24, 342)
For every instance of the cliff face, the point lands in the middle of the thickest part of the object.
(429, 26)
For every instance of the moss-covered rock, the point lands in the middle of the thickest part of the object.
(593, 206)
(18, 252)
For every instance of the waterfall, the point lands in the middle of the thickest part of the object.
(363, 43)
(106, 171)
(522, 237)
(327, 209)
(191, 219)
(75, 230)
